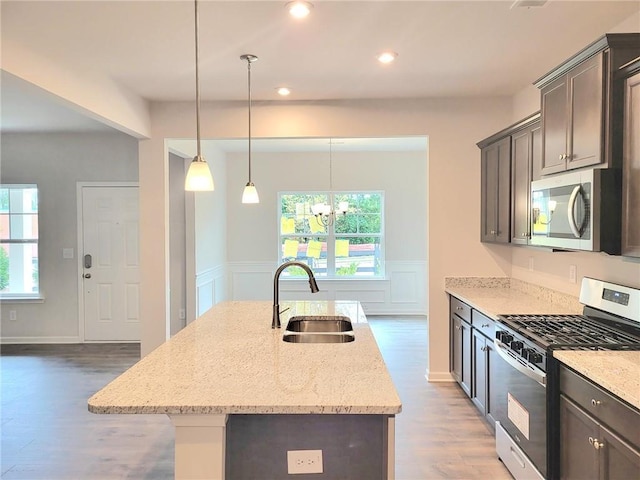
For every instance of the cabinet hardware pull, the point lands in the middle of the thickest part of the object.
(457, 327)
(459, 308)
(591, 440)
(561, 157)
(595, 403)
(484, 325)
(597, 445)
(493, 232)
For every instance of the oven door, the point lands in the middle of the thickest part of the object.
(519, 403)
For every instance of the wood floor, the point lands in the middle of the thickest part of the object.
(48, 434)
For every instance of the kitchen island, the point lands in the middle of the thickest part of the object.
(240, 397)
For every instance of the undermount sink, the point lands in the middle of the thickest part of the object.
(319, 329)
(318, 337)
(319, 324)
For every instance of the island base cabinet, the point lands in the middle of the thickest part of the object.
(353, 446)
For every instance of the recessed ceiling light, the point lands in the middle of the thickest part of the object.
(387, 56)
(283, 91)
(299, 9)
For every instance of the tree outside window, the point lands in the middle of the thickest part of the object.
(351, 247)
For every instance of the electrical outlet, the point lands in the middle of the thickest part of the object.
(531, 264)
(572, 274)
(304, 461)
(13, 315)
(182, 314)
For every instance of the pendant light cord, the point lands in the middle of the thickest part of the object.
(197, 85)
(249, 88)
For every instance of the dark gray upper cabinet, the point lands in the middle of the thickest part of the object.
(526, 165)
(630, 78)
(510, 159)
(496, 191)
(582, 107)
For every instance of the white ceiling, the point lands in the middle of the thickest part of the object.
(446, 48)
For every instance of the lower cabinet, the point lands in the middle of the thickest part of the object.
(472, 354)
(461, 352)
(599, 434)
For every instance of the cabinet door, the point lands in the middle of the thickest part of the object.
(555, 119)
(631, 169)
(578, 457)
(584, 139)
(496, 192)
(479, 376)
(521, 153)
(618, 459)
(461, 356)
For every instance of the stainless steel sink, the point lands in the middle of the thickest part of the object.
(319, 324)
(318, 337)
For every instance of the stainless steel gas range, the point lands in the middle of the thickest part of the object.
(526, 390)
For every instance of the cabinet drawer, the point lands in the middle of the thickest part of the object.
(602, 405)
(483, 323)
(461, 309)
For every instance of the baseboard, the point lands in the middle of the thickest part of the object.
(439, 377)
(34, 340)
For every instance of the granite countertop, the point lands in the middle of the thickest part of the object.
(230, 361)
(503, 296)
(616, 371)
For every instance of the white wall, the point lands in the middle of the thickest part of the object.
(253, 229)
(56, 162)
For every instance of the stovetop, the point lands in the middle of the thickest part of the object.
(563, 331)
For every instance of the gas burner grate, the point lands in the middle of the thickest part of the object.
(575, 330)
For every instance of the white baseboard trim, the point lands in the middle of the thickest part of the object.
(439, 377)
(32, 340)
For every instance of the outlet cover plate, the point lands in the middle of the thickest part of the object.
(304, 461)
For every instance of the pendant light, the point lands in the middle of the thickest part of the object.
(250, 194)
(326, 214)
(198, 176)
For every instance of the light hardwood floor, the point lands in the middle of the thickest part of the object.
(48, 434)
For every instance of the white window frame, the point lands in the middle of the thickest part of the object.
(37, 295)
(330, 234)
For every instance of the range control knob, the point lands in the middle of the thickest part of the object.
(524, 353)
(506, 338)
(534, 357)
(516, 345)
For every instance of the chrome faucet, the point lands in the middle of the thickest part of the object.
(275, 322)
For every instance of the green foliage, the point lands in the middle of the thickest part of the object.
(296, 271)
(348, 271)
(4, 269)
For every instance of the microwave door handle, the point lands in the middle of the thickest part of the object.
(571, 211)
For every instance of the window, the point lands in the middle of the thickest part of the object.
(19, 241)
(351, 247)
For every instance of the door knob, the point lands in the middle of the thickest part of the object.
(87, 275)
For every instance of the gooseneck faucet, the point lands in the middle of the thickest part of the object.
(275, 322)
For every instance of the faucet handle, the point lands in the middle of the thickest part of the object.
(282, 311)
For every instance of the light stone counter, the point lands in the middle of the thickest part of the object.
(230, 361)
(618, 372)
(502, 296)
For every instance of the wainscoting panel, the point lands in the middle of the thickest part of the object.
(403, 291)
(209, 288)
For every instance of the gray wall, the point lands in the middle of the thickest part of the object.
(56, 162)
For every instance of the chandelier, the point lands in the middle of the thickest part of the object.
(326, 214)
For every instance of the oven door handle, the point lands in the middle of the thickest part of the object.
(532, 372)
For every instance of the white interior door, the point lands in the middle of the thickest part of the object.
(111, 272)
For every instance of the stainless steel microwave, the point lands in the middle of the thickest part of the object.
(579, 210)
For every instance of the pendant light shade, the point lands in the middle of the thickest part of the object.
(250, 193)
(198, 176)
